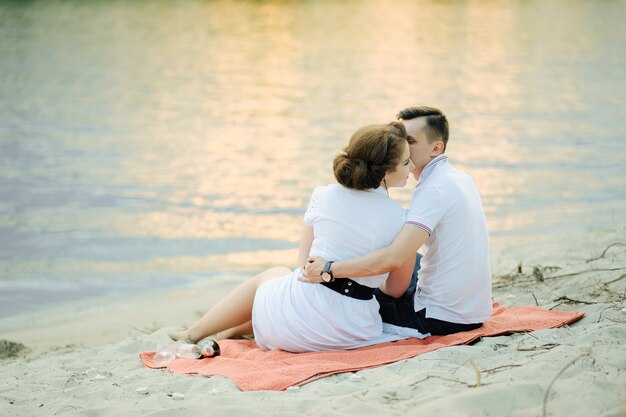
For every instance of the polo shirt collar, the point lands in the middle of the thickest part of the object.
(428, 169)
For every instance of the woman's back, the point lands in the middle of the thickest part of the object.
(349, 223)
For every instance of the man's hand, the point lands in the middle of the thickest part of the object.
(312, 271)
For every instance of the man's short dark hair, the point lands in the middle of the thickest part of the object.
(436, 122)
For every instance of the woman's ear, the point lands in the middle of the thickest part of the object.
(438, 148)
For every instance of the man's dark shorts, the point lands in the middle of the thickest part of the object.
(401, 312)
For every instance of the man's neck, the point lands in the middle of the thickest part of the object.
(431, 165)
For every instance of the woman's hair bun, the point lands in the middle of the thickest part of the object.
(372, 151)
(351, 172)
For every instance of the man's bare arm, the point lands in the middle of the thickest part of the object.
(399, 280)
(393, 257)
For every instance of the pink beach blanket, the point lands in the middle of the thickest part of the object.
(254, 369)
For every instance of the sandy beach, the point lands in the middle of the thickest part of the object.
(82, 358)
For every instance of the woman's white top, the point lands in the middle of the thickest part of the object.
(296, 316)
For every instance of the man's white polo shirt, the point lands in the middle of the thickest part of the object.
(455, 275)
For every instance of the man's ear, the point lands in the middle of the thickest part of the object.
(437, 148)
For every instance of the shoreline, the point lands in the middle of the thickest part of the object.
(97, 321)
(112, 317)
(239, 268)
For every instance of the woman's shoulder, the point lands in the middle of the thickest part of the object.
(328, 189)
(375, 196)
(339, 191)
(324, 192)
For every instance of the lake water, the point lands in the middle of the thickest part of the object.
(155, 144)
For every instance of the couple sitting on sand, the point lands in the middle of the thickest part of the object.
(359, 280)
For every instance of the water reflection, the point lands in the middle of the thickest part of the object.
(152, 140)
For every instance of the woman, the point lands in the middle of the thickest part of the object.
(342, 221)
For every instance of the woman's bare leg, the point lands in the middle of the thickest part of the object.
(236, 332)
(233, 310)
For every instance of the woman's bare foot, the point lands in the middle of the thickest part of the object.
(183, 336)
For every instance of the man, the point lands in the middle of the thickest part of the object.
(450, 290)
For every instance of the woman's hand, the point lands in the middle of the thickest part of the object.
(312, 270)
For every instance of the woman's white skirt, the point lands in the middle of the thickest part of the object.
(301, 317)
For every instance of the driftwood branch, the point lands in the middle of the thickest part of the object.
(536, 302)
(547, 346)
(606, 250)
(570, 363)
(539, 276)
(614, 280)
(571, 300)
(471, 361)
(497, 368)
(458, 381)
(586, 271)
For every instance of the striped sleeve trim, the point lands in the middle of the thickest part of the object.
(421, 225)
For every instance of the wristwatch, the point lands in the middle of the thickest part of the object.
(327, 270)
